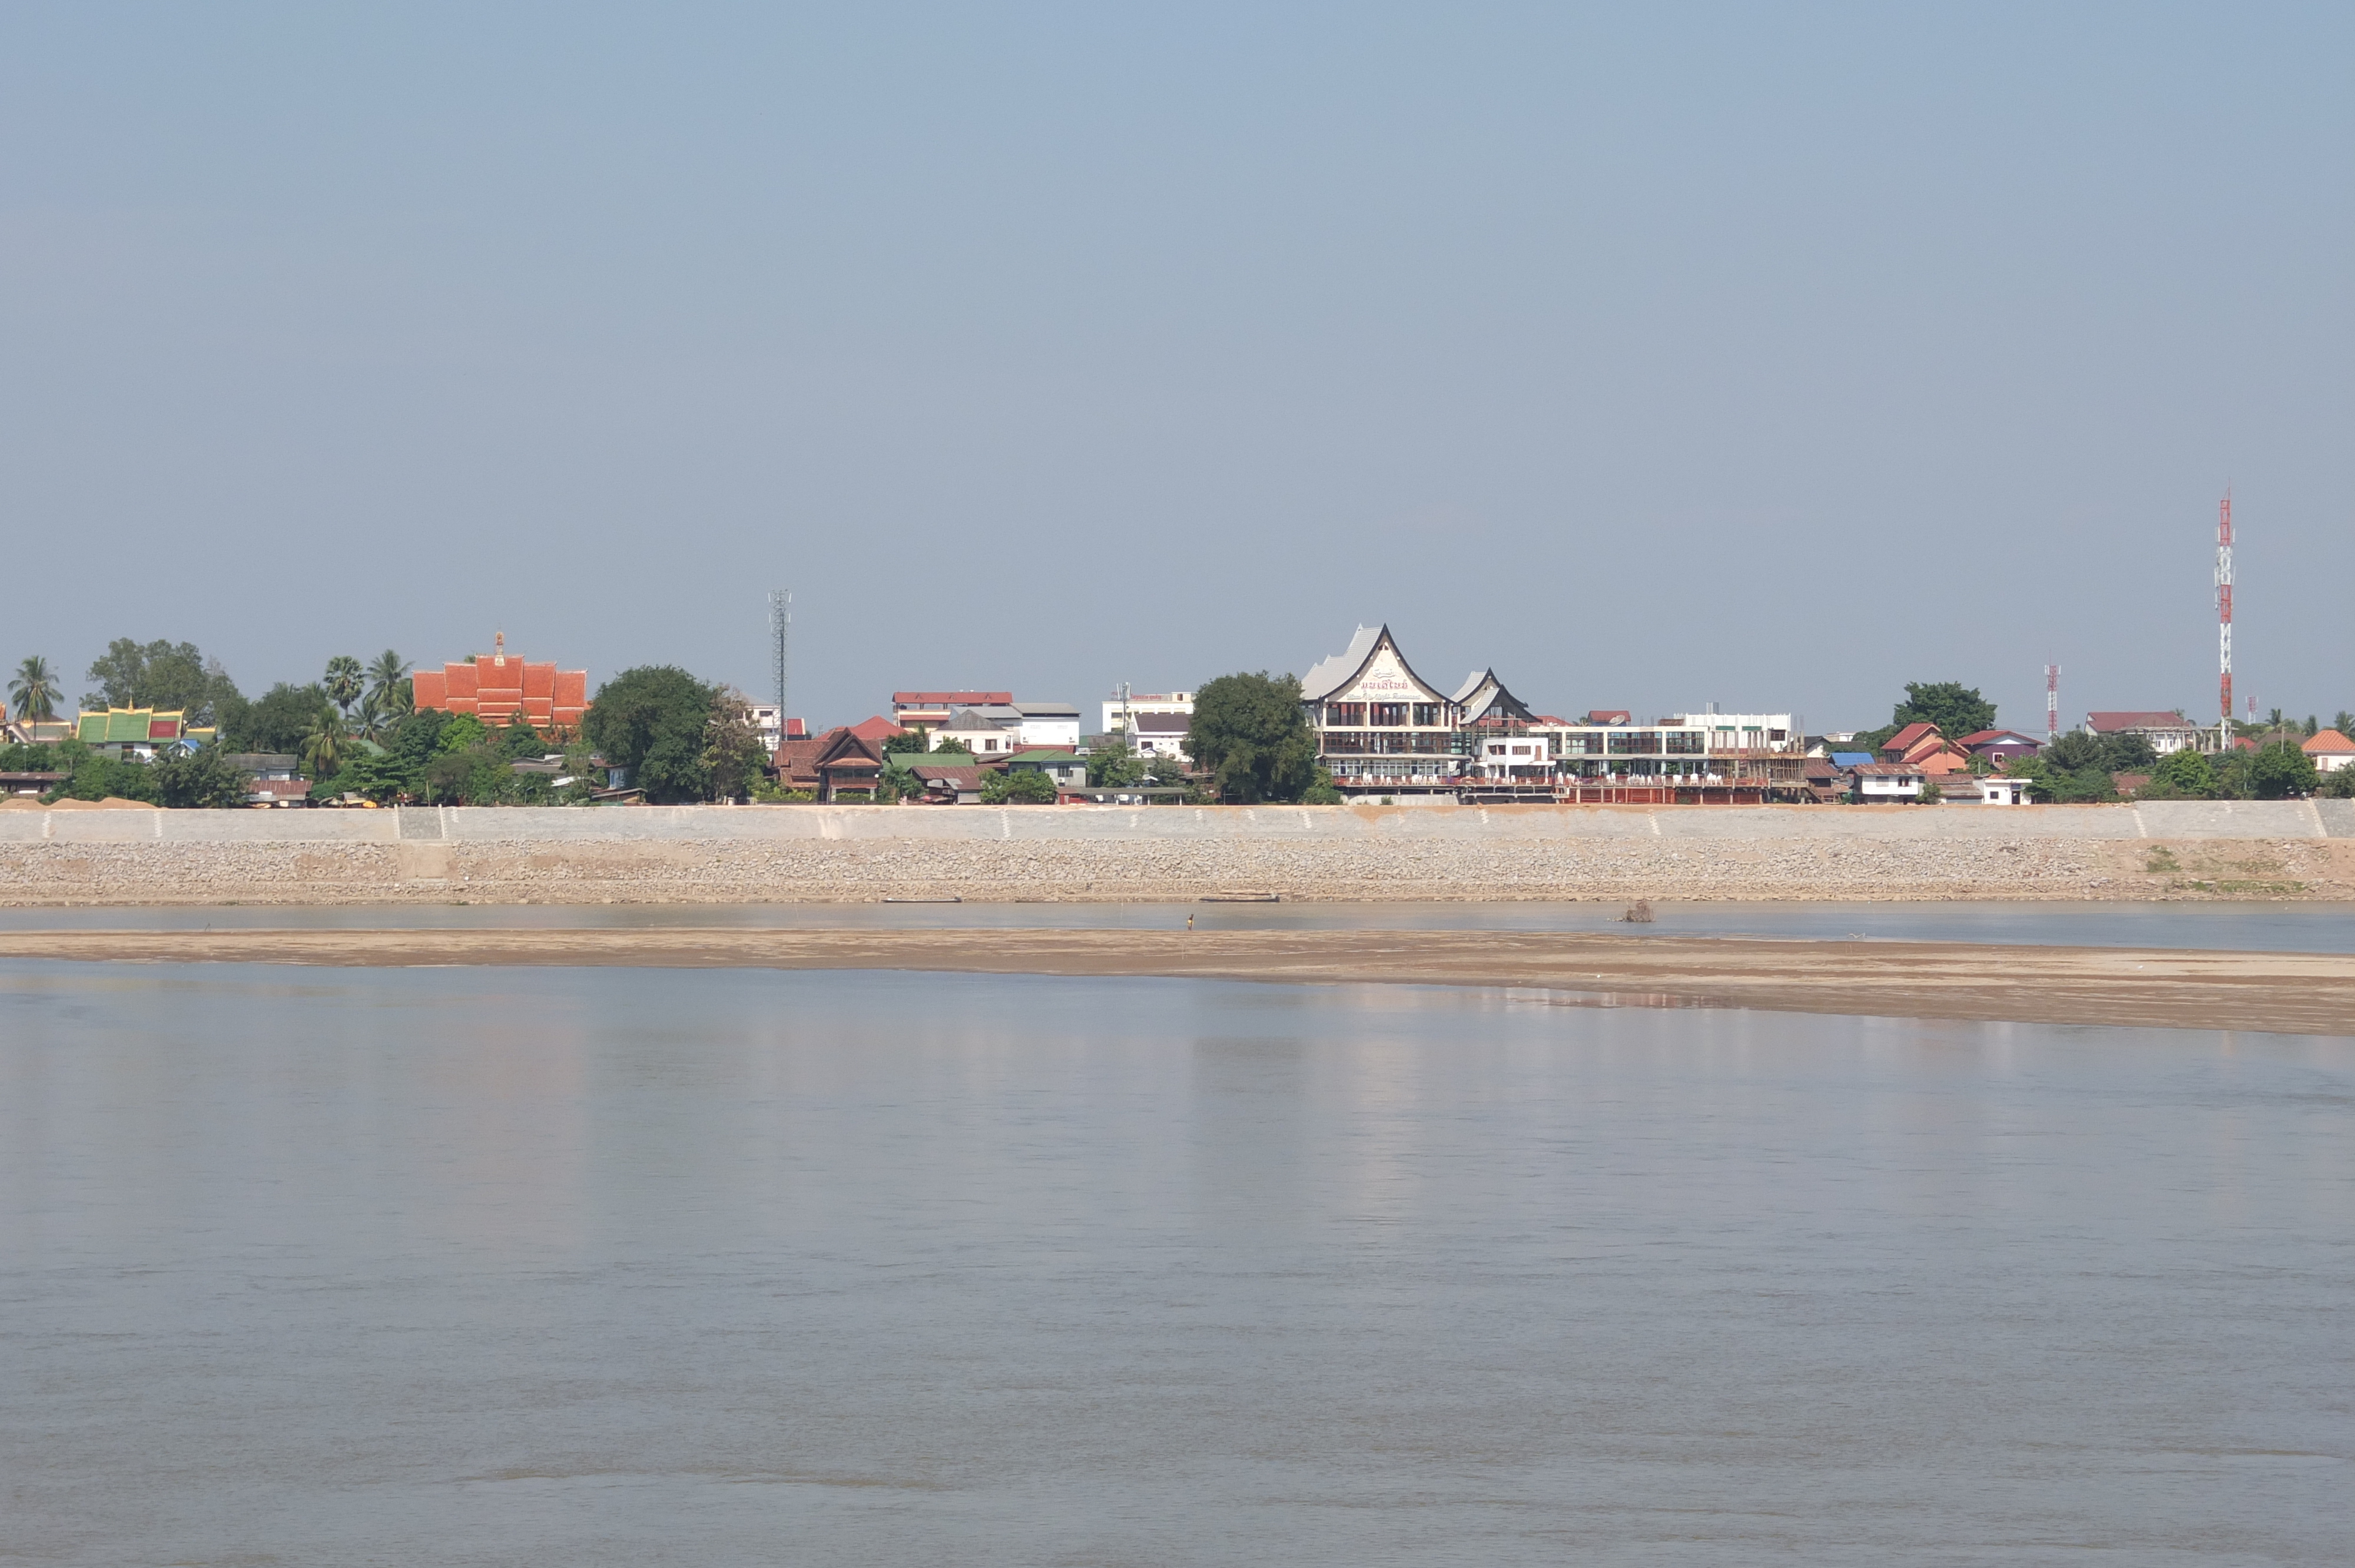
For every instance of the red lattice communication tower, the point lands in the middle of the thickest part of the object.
(2052, 703)
(2224, 609)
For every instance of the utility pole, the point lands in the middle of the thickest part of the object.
(2225, 619)
(781, 626)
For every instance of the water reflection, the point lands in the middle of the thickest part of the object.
(608, 1265)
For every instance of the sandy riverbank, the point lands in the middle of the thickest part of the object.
(2286, 992)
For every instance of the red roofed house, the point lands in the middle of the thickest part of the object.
(2165, 731)
(2001, 746)
(1922, 746)
(500, 687)
(839, 760)
(2330, 751)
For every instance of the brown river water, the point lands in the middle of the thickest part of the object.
(594, 1267)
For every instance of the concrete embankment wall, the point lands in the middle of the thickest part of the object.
(692, 853)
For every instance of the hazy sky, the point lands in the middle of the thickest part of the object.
(1769, 355)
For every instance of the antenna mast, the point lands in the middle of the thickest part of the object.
(2224, 615)
(2051, 704)
(781, 626)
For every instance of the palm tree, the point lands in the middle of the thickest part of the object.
(372, 714)
(323, 748)
(385, 672)
(344, 681)
(34, 689)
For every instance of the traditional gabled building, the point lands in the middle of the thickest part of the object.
(837, 761)
(1483, 699)
(500, 687)
(138, 733)
(1924, 745)
(1380, 727)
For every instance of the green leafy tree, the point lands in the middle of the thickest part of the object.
(344, 682)
(2232, 770)
(94, 775)
(1957, 710)
(460, 732)
(326, 743)
(2344, 723)
(914, 739)
(2281, 770)
(378, 777)
(34, 691)
(1321, 792)
(201, 779)
(653, 721)
(374, 717)
(276, 722)
(732, 754)
(2056, 780)
(1111, 765)
(2183, 774)
(1248, 735)
(161, 674)
(1028, 787)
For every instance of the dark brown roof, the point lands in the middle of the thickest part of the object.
(2109, 723)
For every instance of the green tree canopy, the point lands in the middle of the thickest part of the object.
(2184, 775)
(1028, 787)
(733, 756)
(653, 721)
(1957, 710)
(200, 779)
(1250, 736)
(278, 722)
(1111, 765)
(2108, 753)
(2280, 770)
(160, 675)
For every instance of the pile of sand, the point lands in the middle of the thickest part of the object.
(112, 803)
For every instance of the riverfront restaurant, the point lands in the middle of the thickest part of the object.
(1381, 729)
(1379, 725)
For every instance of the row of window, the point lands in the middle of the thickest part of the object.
(1386, 715)
(1435, 743)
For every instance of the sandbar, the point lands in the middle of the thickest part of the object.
(2299, 994)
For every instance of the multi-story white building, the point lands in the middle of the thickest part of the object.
(1015, 724)
(1380, 727)
(1117, 709)
(2165, 731)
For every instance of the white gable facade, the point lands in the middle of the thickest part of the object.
(1380, 727)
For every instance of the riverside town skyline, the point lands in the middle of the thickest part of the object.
(1344, 785)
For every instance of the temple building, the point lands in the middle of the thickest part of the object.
(138, 733)
(499, 687)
